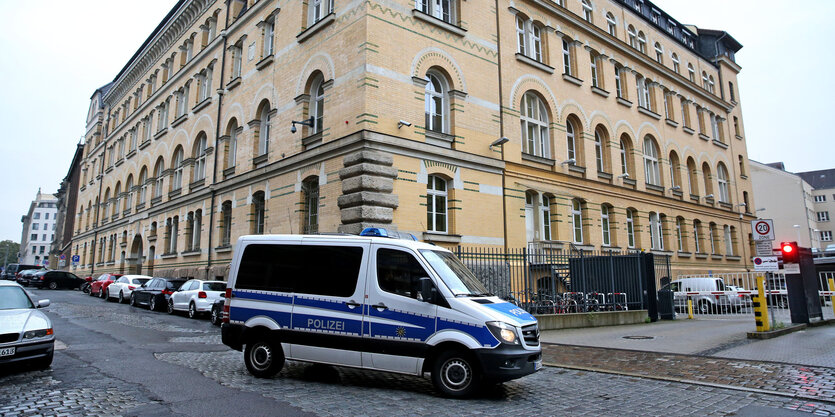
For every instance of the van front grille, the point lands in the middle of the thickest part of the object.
(531, 335)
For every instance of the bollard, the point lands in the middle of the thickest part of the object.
(690, 309)
(832, 297)
(761, 307)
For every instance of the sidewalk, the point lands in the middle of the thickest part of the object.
(707, 352)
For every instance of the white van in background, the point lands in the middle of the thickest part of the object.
(713, 296)
(373, 302)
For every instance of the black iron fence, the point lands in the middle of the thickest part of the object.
(552, 280)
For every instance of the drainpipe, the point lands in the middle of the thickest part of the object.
(501, 124)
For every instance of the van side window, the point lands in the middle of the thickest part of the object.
(399, 272)
(308, 269)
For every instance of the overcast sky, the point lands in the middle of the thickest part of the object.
(56, 53)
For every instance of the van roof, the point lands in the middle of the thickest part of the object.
(346, 238)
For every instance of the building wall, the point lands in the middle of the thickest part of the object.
(38, 230)
(787, 199)
(373, 58)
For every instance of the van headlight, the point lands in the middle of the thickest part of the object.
(32, 334)
(503, 331)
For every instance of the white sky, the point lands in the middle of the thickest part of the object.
(56, 53)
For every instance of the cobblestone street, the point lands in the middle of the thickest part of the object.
(180, 368)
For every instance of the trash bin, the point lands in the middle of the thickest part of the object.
(666, 309)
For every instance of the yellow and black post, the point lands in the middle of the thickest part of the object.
(761, 306)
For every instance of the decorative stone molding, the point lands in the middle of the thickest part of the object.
(367, 184)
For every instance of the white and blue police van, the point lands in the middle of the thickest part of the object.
(373, 302)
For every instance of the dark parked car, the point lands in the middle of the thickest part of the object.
(12, 270)
(156, 292)
(55, 279)
(217, 311)
(23, 277)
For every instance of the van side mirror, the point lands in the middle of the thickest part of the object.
(428, 293)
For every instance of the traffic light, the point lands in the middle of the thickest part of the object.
(789, 250)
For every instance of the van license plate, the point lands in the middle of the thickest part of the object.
(7, 351)
(537, 365)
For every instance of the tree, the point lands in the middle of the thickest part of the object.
(8, 252)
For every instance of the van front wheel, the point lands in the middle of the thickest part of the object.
(263, 358)
(455, 374)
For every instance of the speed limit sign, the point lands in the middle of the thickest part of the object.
(762, 229)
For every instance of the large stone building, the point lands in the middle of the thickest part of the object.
(38, 232)
(530, 123)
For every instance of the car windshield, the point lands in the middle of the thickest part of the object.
(214, 286)
(455, 275)
(14, 297)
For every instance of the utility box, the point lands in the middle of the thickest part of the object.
(802, 288)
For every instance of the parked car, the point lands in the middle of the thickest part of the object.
(196, 297)
(216, 316)
(101, 283)
(25, 333)
(155, 293)
(54, 280)
(11, 271)
(22, 277)
(122, 288)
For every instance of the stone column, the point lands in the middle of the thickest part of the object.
(367, 184)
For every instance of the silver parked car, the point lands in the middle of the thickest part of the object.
(25, 333)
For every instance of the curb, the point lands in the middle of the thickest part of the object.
(790, 329)
(692, 382)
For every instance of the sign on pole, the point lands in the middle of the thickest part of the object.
(766, 263)
(763, 229)
(791, 268)
(764, 248)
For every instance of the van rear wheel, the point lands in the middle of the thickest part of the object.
(263, 358)
(455, 374)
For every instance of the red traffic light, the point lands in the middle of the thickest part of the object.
(790, 252)
(787, 248)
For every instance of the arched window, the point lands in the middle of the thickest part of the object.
(630, 228)
(143, 188)
(710, 84)
(231, 144)
(317, 103)
(612, 24)
(601, 140)
(711, 235)
(196, 229)
(545, 216)
(534, 126)
(177, 166)
(587, 11)
(704, 80)
(659, 53)
(675, 171)
(577, 220)
(722, 179)
(570, 140)
(310, 196)
(708, 178)
(226, 223)
(264, 132)
(117, 194)
(258, 213)
(642, 42)
(128, 193)
(653, 176)
(676, 63)
(680, 234)
(625, 155)
(633, 36)
(436, 103)
(604, 225)
(436, 204)
(729, 243)
(199, 170)
(692, 178)
(158, 178)
(691, 73)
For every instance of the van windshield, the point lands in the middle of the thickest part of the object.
(455, 275)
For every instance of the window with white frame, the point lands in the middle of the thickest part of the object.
(820, 198)
(823, 216)
(440, 9)
(196, 226)
(711, 232)
(310, 195)
(237, 59)
(129, 194)
(697, 230)
(651, 162)
(436, 104)
(158, 179)
(132, 139)
(200, 159)
(146, 130)
(162, 120)
(711, 85)
(826, 235)
(722, 175)
(714, 126)
(655, 232)
(588, 11)
(630, 228)
(611, 24)
(704, 80)
(521, 36)
(269, 36)
(258, 213)
(317, 103)
(595, 72)
(729, 243)
(642, 42)
(570, 140)
(529, 38)
(691, 73)
(436, 204)
(619, 81)
(659, 53)
(232, 146)
(177, 166)
(624, 167)
(205, 84)
(680, 234)
(264, 133)
(577, 220)
(676, 63)
(643, 92)
(604, 225)
(143, 188)
(567, 52)
(534, 119)
(226, 223)
(598, 151)
(633, 36)
(545, 217)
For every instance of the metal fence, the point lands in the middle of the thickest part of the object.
(546, 279)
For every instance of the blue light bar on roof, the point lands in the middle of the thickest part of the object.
(383, 232)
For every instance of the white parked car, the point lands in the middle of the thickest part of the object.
(196, 297)
(124, 286)
(25, 332)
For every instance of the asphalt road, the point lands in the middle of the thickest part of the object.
(113, 359)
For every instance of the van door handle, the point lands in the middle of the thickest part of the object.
(351, 304)
(380, 307)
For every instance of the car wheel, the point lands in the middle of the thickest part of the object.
(215, 318)
(263, 358)
(152, 305)
(121, 297)
(53, 285)
(107, 295)
(101, 293)
(85, 288)
(132, 300)
(192, 311)
(704, 307)
(170, 306)
(455, 374)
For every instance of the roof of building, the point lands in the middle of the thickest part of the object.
(819, 180)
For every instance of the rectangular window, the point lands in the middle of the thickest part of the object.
(269, 33)
(826, 236)
(731, 91)
(619, 81)
(35, 226)
(820, 198)
(566, 57)
(34, 236)
(823, 216)
(595, 81)
(237, 54)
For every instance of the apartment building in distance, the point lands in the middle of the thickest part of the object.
(38, 230)
(823, 196)
(572, 125)
(787, 199)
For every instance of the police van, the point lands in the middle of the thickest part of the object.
(373, 302)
